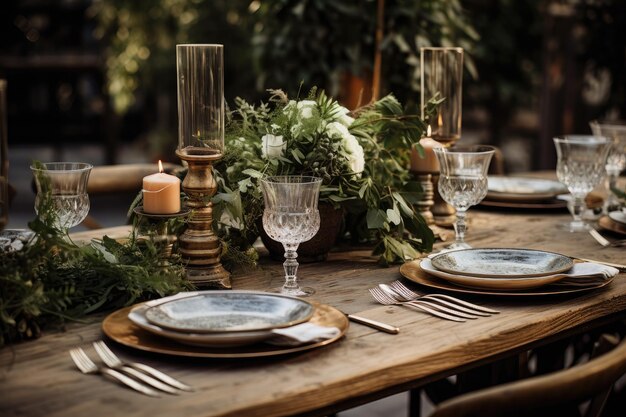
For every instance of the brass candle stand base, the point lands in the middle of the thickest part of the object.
(426, 202)
(443, 213)
(154, 227)
(198, 245)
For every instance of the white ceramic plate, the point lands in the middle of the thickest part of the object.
(522, 189)
(229, 311)
(618, 217)
(220, 340)
(502, 284)
(502, 263)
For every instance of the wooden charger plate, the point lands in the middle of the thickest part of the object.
(413, 272)
(119, 328)
(552, 204)
(607, 223)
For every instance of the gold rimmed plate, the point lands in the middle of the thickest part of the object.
(502, 262)
(120, 329)
(229, 311)
(492, 283)
(413, 272)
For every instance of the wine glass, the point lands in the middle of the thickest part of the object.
(66, 185)
(291, 217)
(580, 166)
(614, 131)
(463, 182)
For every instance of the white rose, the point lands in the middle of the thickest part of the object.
(346, 120)
(272, 146)
(336, 129)
(306, 108)
(356, 156)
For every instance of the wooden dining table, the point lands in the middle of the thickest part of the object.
(38, 378)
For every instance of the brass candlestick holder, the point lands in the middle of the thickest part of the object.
(425, 204)
(198, 245)
(200, 73)
(154, 227)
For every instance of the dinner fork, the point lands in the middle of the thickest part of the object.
(392, 292)
(109, 358)
(384, 299)
(604, 241)
(409, 294)
(87, 366)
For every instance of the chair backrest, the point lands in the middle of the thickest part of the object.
(563, 388)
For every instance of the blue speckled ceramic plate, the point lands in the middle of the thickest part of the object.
(229, 311)
(502, 263)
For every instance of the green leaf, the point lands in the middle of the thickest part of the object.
(253, 173)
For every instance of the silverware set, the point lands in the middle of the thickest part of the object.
(439, 305)
(140, 377)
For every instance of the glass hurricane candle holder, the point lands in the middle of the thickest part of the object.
(200, 73)
(442, 76)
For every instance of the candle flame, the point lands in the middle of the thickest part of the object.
(160, 166)
(429, 131)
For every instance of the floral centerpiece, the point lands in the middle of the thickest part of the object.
(362, 157)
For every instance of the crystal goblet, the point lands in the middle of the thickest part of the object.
(66, 185)
(615, 132)
(463, 182)
(581, 167)
(291, 217)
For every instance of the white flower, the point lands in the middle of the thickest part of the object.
(354, 151)
(272, 146)
(306, 108)
(346, 120)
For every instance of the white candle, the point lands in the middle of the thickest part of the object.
(161, 193)
(429, 163)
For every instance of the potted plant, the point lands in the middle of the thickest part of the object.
(362, 158)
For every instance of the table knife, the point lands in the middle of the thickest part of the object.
(384, 327)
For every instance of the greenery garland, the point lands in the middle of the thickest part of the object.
(52, 279)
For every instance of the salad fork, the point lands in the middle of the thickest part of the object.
(87, 366)
(409, 294)
(455, 307)
(111, 360)
(384, 299)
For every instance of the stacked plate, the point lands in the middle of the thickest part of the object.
(614, 222)
(220, 318)
(518, 192)
(505, 272)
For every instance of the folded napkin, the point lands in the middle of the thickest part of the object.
(301, 334)
(587, 273)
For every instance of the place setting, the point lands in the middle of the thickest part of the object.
(524, 193)
(226, 324)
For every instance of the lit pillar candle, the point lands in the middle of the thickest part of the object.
(161, 193)
(429, 163)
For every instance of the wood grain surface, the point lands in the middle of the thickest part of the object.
(37, 378)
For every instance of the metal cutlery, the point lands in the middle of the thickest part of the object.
(459, 312)
(384, 327)
(119, 366)
(409, 294)
(604, 241)
(382, 297)
(109, 358)
(87, 366)
(455, 307)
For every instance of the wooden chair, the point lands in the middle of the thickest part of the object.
(551, 394)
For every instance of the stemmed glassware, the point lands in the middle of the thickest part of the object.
(580, 166)
(463, 182)
(615, 131)
(66, 184)
(291, 217)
